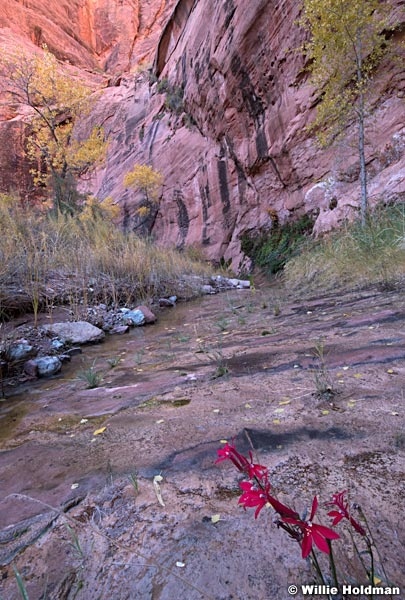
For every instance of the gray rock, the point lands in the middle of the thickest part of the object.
(208, 289)
(78, 332)
(239, 283)
(21, 350)
(45, 366)
(166, 302)
(119, 329)
(133, 317)
(57, 344)
(150, 317)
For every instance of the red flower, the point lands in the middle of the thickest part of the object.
(253, 470)
(313, 533)
(253, 496)
(342, 512)
(229, 452)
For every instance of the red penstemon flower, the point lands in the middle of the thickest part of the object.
(342, 512)
(312, 533)
(253, 470)
(254, 495)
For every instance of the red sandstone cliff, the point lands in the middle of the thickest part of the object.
(228, 130)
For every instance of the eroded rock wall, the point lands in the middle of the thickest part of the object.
(225, 120)
(229, 134)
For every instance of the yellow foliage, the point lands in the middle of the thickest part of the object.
(145, 179)
(345, 45)
(95, 209)
(57, 99)
(143, 211)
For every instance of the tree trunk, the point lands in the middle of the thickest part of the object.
(360, 118)
(362, 157)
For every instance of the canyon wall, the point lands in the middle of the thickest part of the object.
(222, 115)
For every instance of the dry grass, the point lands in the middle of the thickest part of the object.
(355, 256)
(46, 261)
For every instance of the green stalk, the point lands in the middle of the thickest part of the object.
(20, 583)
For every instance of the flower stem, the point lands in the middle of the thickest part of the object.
(332, 564)
(317, 567)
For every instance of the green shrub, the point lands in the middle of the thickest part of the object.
(272, 249)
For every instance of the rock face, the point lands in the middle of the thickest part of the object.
(225, 121)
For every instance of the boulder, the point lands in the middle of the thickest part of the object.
(133, 317)
(150, 317)
(45, 366)
(77, 332)
(20, 350)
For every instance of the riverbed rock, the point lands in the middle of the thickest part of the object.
(77, 332)
(150, 317)
(20, 350)
(167, 302)
(133, 317)
(44, 366)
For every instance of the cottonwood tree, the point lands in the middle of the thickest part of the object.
(148, 182)
(56, 99)
(346, 44)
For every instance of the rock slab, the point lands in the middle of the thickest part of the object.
(78, 332)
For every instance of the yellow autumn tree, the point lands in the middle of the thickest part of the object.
(347, 41)
(57, 99)
(148, 182)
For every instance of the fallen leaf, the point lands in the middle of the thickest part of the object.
(156, 484)
(377, 580)
(247, 405)
(223, 441)
(279, 410)
(358, 375)
(276, 421)
(160, 421)
(351, 403)
(390, 371)
(283, 402)
(99, 431)
(215, 518)
(325, 412)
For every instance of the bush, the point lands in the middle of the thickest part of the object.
(274, 248)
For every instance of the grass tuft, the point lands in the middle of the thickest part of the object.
(354, 256)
